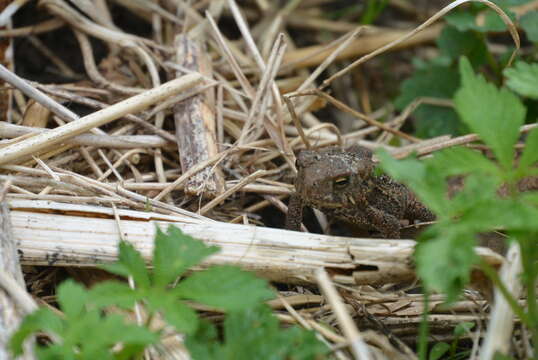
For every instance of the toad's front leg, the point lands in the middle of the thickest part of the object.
(294, 216)
(388, 225)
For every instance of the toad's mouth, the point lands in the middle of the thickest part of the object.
(331, 204)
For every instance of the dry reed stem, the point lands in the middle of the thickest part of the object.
(43, 27)
(356, 342)
(136, 103)
(499, 332)
(9, 131)
(35, 94)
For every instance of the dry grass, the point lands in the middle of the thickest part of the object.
(258, 101)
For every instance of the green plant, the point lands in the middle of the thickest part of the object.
(254, 331)
(372, 10)
(441, 348)
(445, 253)
(86, 331)
(465, 36)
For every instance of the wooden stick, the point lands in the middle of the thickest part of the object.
(499, 334)
(13, 296)
(82, 235)
(353, 336)
(195, 123)
(50, 139)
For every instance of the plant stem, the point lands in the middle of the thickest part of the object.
(423, 330)
(528, 258)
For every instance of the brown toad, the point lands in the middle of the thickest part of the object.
(342, 184)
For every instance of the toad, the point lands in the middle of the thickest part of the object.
(343, 184)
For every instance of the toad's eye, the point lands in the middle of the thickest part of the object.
(341, 182)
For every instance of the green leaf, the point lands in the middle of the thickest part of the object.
(437, 82)
(523, 79)
(112, 330)
(529, 23)
(490, 112)
(54, 352)
(466, 19)
(432, 121)
(438, 350)
(72, 297)
(85, 332)
(475, 202)
(179, 315)
(500, 356)
(428, 185)
(460, 160)
(225, 287)
(204, 344)
(444, 263)
(515, 214)
(455, 43)
(462, 20)
(42, 319)
(432, 81)
(115, 293)
(176, 252)
(130, 263)
(256, 334)
(463, 328)
(530, 154)
(493, 22)
(529, 198)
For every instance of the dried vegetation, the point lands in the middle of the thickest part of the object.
(216, 142)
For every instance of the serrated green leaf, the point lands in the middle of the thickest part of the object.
(115, 293)
(444, 263)
(455, 43)
(130, 263)
(490, 112)
(523, 79)
(530, 154)
(529, 23)
(72, 298)
(438, 350)
(176, 252)
(225, 287)
(43, 319)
